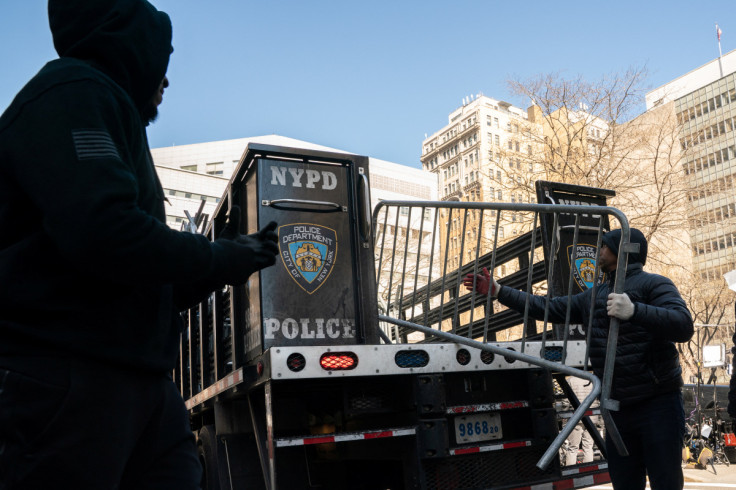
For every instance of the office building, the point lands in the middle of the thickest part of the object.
(705, 106)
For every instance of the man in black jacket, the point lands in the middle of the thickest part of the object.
(92, 278)
(647, 375)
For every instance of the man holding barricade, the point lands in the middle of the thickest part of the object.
(647, 376)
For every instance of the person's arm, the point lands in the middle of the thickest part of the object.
(557, 310)
(664, 313)
(84, 183)
(263, 246)
(516, 300)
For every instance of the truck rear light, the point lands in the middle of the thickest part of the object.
(553, 353)
(463, 357)
(296, 362)
(411, 358)
(338, 361)
(510, 359)
(487, 357)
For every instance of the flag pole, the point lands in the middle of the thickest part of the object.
(720, 53)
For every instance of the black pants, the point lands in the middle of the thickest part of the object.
(653, 432)
(75, 424)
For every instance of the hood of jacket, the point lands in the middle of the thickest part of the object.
(128, 40)
(613, 238)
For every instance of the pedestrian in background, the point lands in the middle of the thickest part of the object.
(580, 437)
(732, 386)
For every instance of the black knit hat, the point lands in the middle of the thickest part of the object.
(613, 238)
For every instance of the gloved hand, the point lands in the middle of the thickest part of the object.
(620, 306)
(230, 232)
(482, 284)
(238, 256)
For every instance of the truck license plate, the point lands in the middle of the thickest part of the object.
(478, 427)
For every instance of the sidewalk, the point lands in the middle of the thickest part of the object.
(723, 474)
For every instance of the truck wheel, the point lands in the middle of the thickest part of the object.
(207, 449)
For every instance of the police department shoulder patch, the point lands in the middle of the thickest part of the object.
(583, 269)
(308, 251)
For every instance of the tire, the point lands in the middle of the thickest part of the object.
(207, 449)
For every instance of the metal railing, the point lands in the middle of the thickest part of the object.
(425, 249)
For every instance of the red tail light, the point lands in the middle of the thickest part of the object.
(338, 361)
(296, 362)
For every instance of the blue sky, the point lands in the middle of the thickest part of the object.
(373, 77)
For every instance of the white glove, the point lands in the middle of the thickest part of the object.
(620, 306)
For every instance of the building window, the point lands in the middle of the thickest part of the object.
(215, 168)
(191, 168)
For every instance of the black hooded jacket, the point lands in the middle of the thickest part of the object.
(88, 266)
(647, 361)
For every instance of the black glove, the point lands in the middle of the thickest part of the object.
(238, 256)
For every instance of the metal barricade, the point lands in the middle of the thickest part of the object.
(424, 250)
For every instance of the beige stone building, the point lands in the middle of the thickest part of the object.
(480, 155)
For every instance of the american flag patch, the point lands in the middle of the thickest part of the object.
(94, 143)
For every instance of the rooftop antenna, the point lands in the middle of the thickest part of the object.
(720, 53)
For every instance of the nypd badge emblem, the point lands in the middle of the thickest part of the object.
(308, 251)
(583, 269)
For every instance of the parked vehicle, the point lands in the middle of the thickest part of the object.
(294, 380)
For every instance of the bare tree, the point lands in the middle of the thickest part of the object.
(592, 133)
(711, 305)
